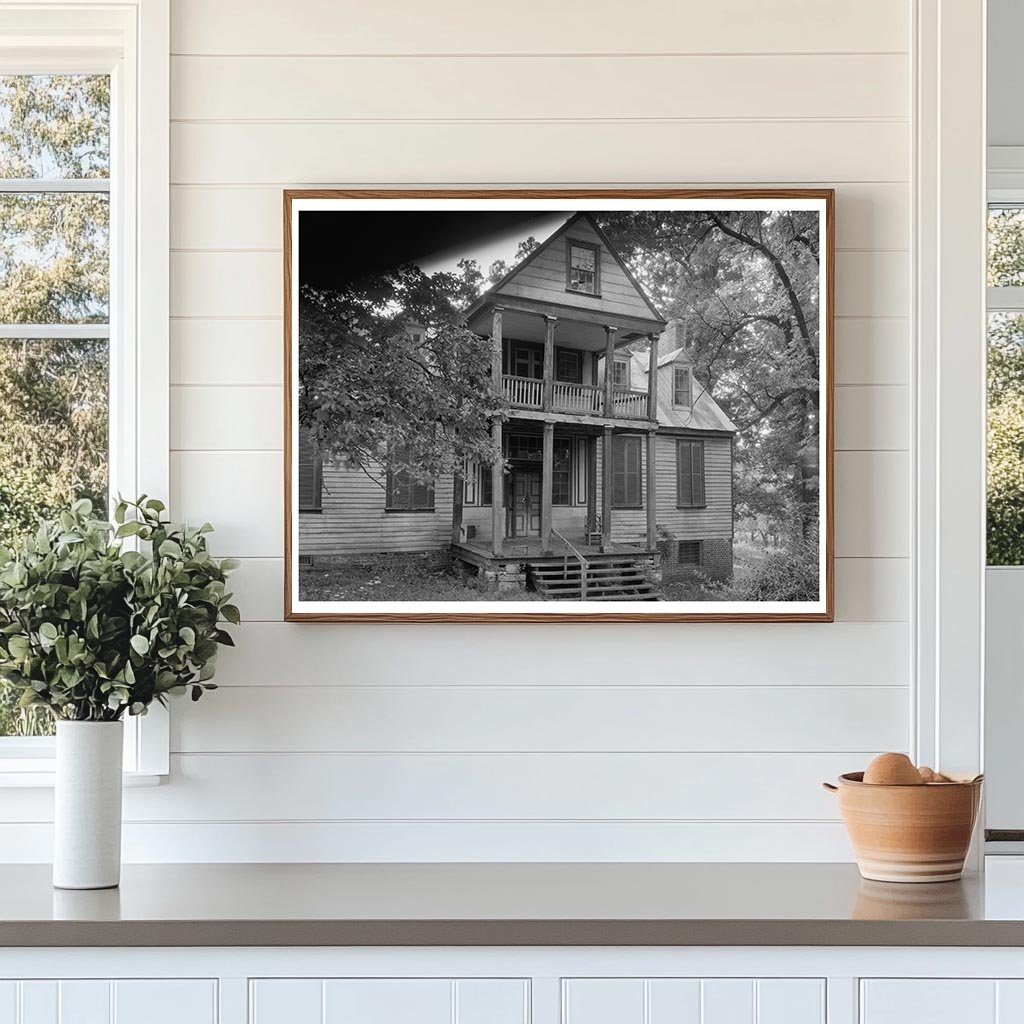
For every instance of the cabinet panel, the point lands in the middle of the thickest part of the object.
(929, 1001)
(164, 1002)
(8, 1002)
(389, 1001)
(694, 1001)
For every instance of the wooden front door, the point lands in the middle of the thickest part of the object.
(526, 502)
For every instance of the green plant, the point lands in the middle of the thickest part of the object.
(92, 631)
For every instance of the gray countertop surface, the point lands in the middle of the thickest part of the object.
(654, 904)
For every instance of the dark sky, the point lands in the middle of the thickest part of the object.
(337, 246)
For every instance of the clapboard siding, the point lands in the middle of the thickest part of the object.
(868, 216)
(528, 152)
(405, 26)
(245, 88)
(299, 756)
(390, 719)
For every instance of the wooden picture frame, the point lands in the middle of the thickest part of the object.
(602, 396)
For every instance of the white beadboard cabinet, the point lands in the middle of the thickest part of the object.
(520, 985)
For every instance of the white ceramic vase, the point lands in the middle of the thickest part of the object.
(87, 813)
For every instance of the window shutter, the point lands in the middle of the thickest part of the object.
(684, 482)
(698, 472)
(309, 473)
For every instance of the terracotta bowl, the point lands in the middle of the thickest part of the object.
(909, 833)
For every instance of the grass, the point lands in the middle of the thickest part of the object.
(394, 583)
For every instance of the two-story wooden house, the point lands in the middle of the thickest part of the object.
(618, 464)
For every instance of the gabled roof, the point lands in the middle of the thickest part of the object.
(540, 276)
(704, 413)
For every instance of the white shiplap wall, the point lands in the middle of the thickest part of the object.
(686, 741)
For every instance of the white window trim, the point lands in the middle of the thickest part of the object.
(130, 40)
(948, 284)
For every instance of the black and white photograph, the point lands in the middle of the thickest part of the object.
(574, 406)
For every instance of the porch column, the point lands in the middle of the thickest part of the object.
(591, 486)
(498, 469)
(549, 359)
(652, 380)
(652, 491)
(606, 491)
(609, 369)
(546, 484)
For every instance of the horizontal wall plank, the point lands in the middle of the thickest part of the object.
(444, 842)
(872, 284)
(250, 352)
(844, 653)
(227, 418)
(872, 418)
(249, 217)
(239, 493)
(390, 719)
(646, 786)
(724, 152)
(788, 85)
(873, 589)
(227, 352)
(867, 589)
(872, 504)
(872, 351)
(462, 26)
(250, 284)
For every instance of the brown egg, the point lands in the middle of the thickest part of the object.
(892, 770)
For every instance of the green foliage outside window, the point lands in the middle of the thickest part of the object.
(1005, 481)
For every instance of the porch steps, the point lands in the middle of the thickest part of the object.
(619, 580)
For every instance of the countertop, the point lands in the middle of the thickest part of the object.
(650, 904)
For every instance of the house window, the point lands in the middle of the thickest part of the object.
(528, 361)
(310, 473)
(405, 493)
(620, 373)
(478, 484)
(83, 405)
(682, 387)
(626, 469)
(689, 552)
(583, 268)
(690, 474)
(525, 446)
(561, 476)
(569, 366)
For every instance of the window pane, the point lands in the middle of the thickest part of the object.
(53, 449)
(54, 126)
(1005, 484)
(1006, 246)
(54, 257)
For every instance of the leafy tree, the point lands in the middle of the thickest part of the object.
(388, 370)
(53, 269)
(745, 286)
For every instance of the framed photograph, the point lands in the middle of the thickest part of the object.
(558, 405)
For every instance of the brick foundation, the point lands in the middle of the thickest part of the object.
(427, 561)
(715, 560)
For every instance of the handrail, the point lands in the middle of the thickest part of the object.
(584, 564)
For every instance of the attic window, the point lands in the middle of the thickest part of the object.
(583, 268)
(682, 387)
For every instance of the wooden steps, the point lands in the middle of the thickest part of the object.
(618, 579)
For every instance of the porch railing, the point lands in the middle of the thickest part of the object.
(629, 405)
(584, 564)
(524, 392)
(580, 398)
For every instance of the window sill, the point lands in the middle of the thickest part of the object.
(44, 778)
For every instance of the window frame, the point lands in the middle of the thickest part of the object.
(700, 554)
(129, 40)
(676, 370)
(691, 443)
(617, 361)
(389, 493)
(638, 440)
(578, 243)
